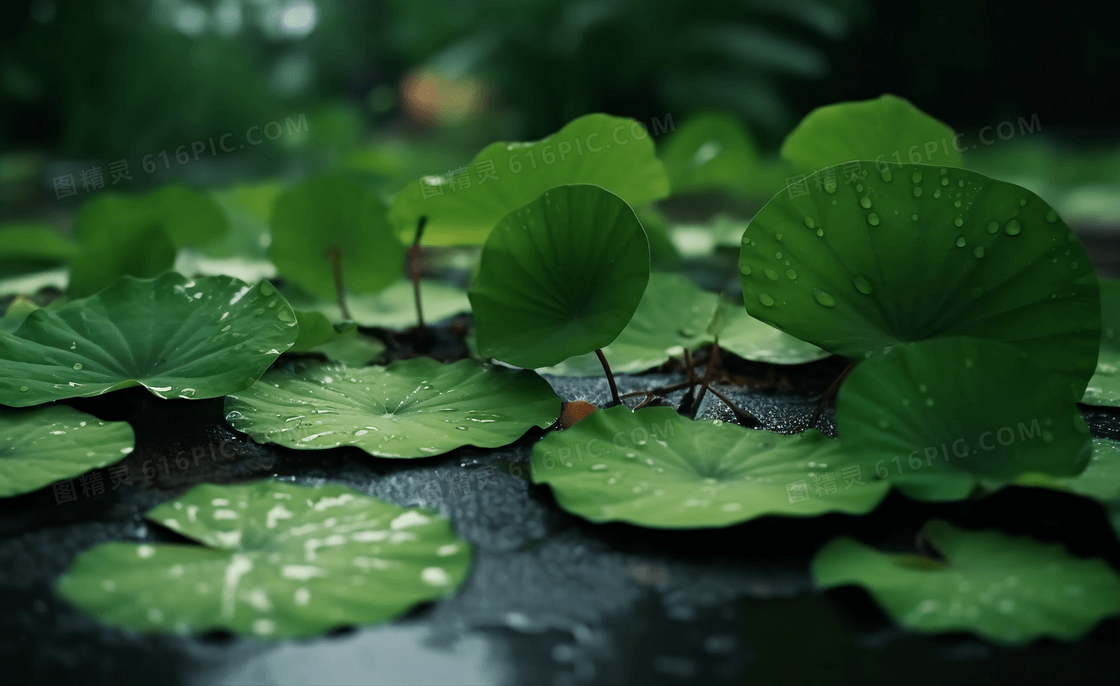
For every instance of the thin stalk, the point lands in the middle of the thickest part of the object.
(746, 418)
(615, 400)
(713, 362)
(414, 269)
(829, 394)
(334, 254)
(657, 391)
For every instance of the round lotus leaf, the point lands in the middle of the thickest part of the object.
(671, 318)
(886, 129)
(559, 277)
(919, 252)
(42, 445)
(1104, 387)
(179, 338)
(411, 408)
(334, 216)
(935, 417)
(658, 469)
(276, 560)
(462, 207)
(1004, 588)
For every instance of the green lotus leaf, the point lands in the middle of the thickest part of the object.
(332, 215)
(922, 252)
(611, 152)
(411, 408)
(710, 150)
(17, 311)
(672, 317)
(1104, 386)
(314, 329)
(1100, 481)
(179, 338)
(42, 445)
(559, 277)
(31, 247)
(276, 560)
(928, 417)
(887, 129)
(392, 308)
(757, 341)
(247, 209)
(1006, 589)
(137, 235)
(342, 343)
(658, 469)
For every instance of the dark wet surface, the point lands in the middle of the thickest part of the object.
(551, 599)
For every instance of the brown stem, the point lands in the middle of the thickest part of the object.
(713, 362)
(414, 269)
(745, 418)
(615, 400)
(657, 391)
(334, 254)
(828, 395)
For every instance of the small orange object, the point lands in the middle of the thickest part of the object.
(575, 411)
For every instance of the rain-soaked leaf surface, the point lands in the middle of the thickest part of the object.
(276, 560)
(392, 308)
(657, 469)
(559, 277)
(1004, 588)
(179, 338)
(919, 252)
(411, 408)
(672, 317)
(932, 418)
(1104, 387)
(42, 445)
(463, 208)
(888, 129)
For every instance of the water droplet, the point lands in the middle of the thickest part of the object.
(917, 192)
(1051, 216)
(820, 232)
(267, 288)
(993, 227)
(885, 174)
(1023, 202)
(944, 182)
(790, 274)
(1013, 228)
(923, 388)
(865, 202)
(778, 237)
(285, 316)
(917, 177)
(862, 285)
(978, 252)
(77, 366)
(873, 219)
(937, 193)
(810, 223)
(24, 389)
(766, 300)
(859, 187)
(914, 217)
(930, 402)
(777, 256)
(746, 270)
(957, 203)
(961, 242)
(823, 297)
(771, 274)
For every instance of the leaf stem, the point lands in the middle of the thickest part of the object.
(615, 400)
(414, 269)
(746, 418)
(713, 362)
(829, 394)
(334, 254)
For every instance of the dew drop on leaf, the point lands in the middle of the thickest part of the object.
(766, 300)
(823, 297)
(862, 285)
(873, 219)
(1013, 228)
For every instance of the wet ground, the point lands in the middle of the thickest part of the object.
(551, 600)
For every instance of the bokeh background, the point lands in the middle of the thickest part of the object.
(399, 88)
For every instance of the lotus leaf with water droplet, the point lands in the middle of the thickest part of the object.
(43, 445)
(864, 264)
(275, 560)
(411, 408)
(938, 416)
(658, 469)
(179, 338)
(1006, 589)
